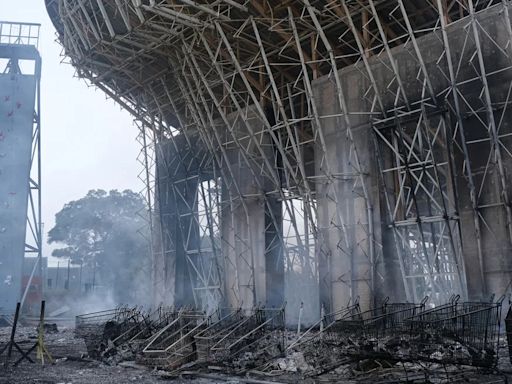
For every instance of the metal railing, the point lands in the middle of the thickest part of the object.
(13, 33)
(465, 333)
(97, 328)
(238, 331)
(456, 332)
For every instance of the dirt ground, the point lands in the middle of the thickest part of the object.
(73, 372)
(72, 366)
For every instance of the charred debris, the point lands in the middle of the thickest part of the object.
(392, 342)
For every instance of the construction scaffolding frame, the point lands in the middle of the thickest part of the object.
(294, 129)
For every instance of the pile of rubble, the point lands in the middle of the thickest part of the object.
(101, 330)
(169, 338)
(349, 342)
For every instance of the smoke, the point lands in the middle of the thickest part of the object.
(95, 302)
(107, 236)
(300, 291)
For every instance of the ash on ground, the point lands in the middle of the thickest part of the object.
(74, 366)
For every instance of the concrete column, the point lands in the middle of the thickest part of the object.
(496, 248)
(251, 220)
(183, 230)
(490, 272)
(274, 258)
(344, 244)
(162, 293)
(178, 180)
(243, 221)
(495, 273)
(243, 240)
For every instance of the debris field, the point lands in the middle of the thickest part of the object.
(391, 343)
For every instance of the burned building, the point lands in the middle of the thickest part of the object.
(313, 151)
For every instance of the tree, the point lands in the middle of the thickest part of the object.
(108, 232)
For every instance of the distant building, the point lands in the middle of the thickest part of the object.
(69, 277)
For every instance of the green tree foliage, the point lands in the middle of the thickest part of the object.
(108, 232)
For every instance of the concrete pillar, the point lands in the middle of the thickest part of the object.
(183, 231)
(344, 245)
(251, 220)
(243, 238)
(495, 265)
(163, 293)
(492, 271)
(335, 260)
(178, 180)
(274, 258)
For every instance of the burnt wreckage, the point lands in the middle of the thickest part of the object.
(326, 154)
(256, 342)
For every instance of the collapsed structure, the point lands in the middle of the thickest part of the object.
(313, 151)
(403, 340)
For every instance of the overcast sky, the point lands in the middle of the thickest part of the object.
(88, 142)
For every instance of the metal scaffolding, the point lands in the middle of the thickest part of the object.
(344, 144)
